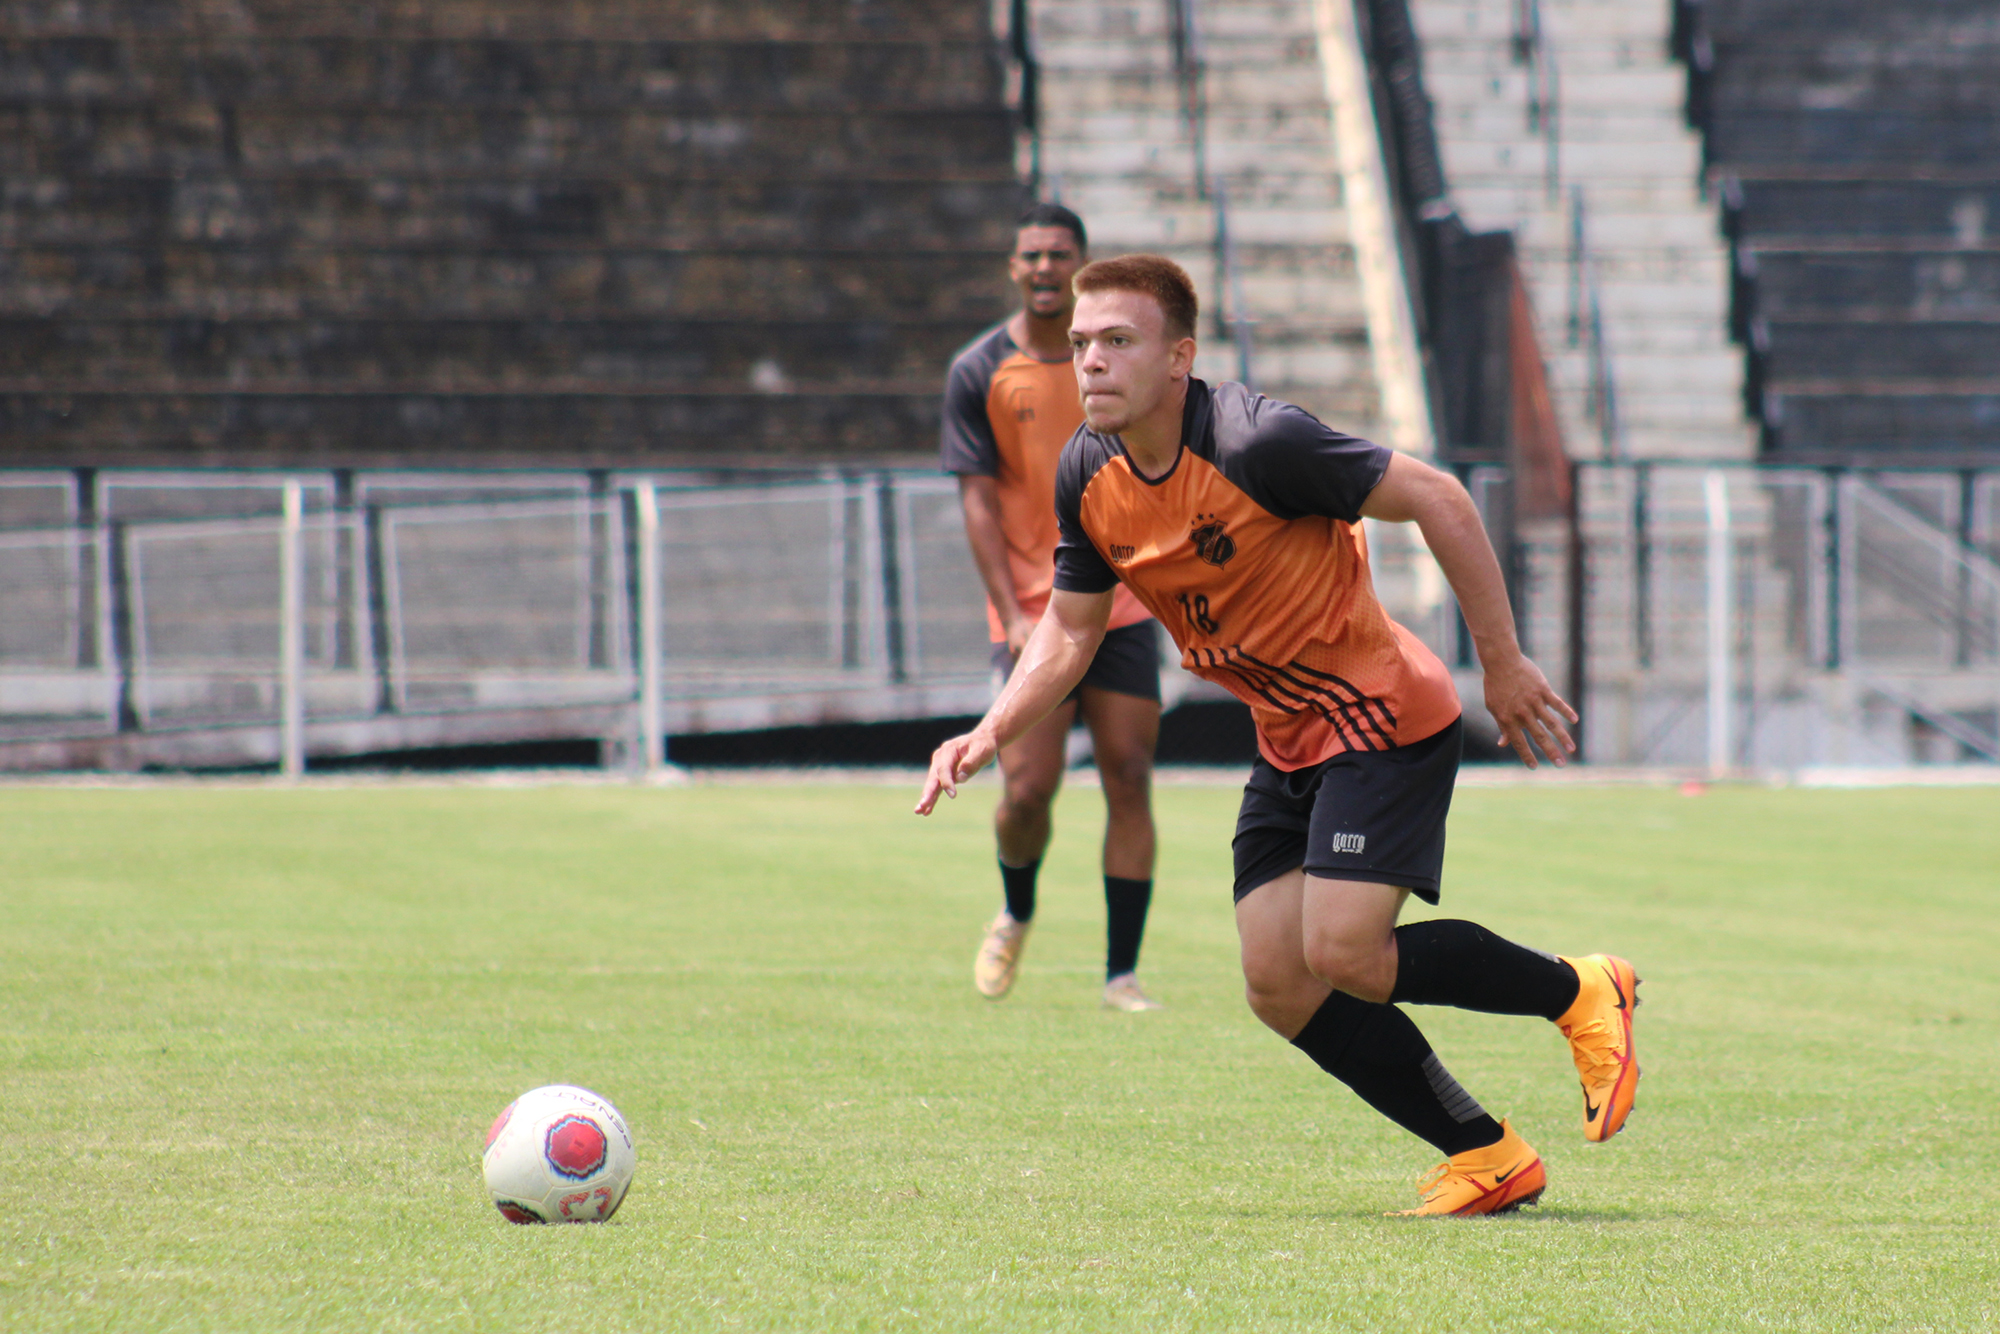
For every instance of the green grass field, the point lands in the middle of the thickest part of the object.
(253, 1037)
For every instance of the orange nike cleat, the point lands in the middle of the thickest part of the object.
(1598, 1025)
(1497, 1179)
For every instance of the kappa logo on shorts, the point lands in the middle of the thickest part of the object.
(1350, 842)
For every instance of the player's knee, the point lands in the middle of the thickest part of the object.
(1345, 964)
(1271, 987)
(1273, 1005)
(1029, 798)
(1127, 775)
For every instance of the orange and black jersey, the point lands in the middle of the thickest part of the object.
(1250, 552)
(1007, 416)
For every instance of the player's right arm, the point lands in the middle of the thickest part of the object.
(979, 496)
(968, 447)
(1057, 655)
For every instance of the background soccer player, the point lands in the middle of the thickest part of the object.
(1236, 518)
(1010, 405)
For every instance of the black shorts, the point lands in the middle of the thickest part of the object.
(1364, 815)
(1127, 663)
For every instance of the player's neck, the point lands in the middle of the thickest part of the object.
(1042, 339)
(1153, 442)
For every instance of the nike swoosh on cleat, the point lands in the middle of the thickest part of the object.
(1501, 1178)
(1589, 1112)
(1616, 990)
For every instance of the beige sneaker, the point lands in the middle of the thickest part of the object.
(1123, 992)
(999, 956)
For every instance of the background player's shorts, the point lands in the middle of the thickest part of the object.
(1366, 815)
(1127, 663)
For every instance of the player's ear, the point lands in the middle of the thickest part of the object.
(1181, 359)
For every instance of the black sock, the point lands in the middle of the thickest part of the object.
(1379, 1053)
(1125, 904)
(1466, 966)
(1019, 884)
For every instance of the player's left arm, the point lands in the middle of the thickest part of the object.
(1517, 694)
(1057, 655)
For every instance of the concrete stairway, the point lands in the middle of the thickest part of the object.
(1117, 148)
(476, 232)
(1654, 244)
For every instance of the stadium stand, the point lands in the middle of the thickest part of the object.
(492, 232)
(522, 301)
(1855, 147)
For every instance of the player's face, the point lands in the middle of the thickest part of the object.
(1126, 362)
(1043, 262)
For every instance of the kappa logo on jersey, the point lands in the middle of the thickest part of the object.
(1211, 543)
(1350, 842)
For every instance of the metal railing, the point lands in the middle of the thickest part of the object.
(1191, 85)
(1028, 87)
(1746, 615)
(853, 591)
(1532, 50)
(1586, 330)
(1232, 313)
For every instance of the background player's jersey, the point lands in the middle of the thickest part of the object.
(1007, 416)
(1251, 553)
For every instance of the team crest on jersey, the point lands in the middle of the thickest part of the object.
(1022, 400)
(1211, 543)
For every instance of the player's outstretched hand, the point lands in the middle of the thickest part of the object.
(951, 764)
(1528, 710)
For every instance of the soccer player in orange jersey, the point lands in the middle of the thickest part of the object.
(1237, 520)
(1010, 406)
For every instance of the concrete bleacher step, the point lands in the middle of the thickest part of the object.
(571, 283)
(1884, 349)
(1891, 424)
(571, 355)
(951, 213)
(427, 74)
(606, 20)
(1846, 138)
(1862, 210)
(1937, 282)
(517, 141)
(547, 427)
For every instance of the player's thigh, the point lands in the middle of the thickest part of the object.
(1031, 766)
(1351, 916)
(1124, 731)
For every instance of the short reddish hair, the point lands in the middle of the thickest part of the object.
(1155, 275)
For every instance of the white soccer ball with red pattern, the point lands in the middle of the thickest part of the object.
(558, 1154)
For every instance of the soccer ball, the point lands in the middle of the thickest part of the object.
(558, 1154)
